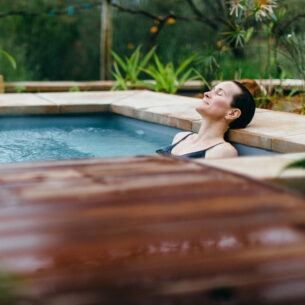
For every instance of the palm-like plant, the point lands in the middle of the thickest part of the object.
(13, 63)
(126, 70)
(167, 78)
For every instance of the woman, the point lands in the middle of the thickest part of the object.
(227, 105)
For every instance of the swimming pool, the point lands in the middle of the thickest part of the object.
(69, 136)
(85, 135)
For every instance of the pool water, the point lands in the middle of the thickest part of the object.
(53, 137)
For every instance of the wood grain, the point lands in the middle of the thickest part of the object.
(147, 230)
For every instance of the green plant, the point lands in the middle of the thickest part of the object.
(20, 89)
(74, 89)
(167, 78)
(9, 58)
(126, 70)
(238, 36)
(244, 19)
(262, 101)
(296, 164)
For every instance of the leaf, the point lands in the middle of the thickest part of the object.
(248, 34)
(185, 77)
(150, 71)
(185, 64)
(293, 92)
(119, 60)
(296, 164)
(171, 79)
(133, 63)
(10, 58)
(147, 57)
(120, 80)
(151, 86)
(159, 65)
(199, 76)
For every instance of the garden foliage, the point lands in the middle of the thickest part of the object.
(60, 39)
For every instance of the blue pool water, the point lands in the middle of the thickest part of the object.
(53, 137)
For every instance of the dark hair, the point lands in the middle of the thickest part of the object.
(245, 102)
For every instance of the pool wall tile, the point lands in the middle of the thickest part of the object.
(252, 139)
(83, 108)
(289, 144)
(157, 118)
(123, 110)
(180, 116)
(28, 109)
(181, 123)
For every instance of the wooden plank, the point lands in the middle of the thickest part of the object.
(138, 230)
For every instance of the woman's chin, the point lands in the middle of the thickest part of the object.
(201, 108)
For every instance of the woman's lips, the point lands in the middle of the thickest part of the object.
(205, 102)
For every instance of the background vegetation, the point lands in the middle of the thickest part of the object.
(60, 39)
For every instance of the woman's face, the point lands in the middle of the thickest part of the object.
(217, 102)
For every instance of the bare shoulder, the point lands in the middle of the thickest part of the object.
(179, 136)
(224, 150)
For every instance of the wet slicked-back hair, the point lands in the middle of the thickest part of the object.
(245, 102)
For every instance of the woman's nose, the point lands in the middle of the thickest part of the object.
(207, 94)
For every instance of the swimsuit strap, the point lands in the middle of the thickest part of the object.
(203, 151)
(199, 150)
(173, 145)
(196, 154)
(200, 153)
(214, 145)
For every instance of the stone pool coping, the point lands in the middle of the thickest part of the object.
(272, 130)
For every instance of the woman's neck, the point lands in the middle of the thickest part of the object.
(212, 131)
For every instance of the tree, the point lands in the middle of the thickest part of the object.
(62, 39)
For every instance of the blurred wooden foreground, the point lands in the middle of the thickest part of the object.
(147, 230)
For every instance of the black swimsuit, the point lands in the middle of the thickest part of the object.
(196, 154)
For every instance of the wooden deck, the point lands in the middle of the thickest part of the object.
(147, 230)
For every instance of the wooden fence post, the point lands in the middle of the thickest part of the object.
(1, 84)
(106, 40)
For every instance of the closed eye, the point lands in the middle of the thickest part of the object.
(219, 91)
